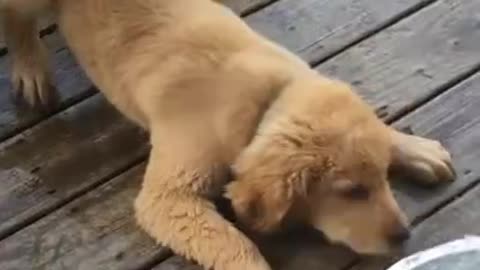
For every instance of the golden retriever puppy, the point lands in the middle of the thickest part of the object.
(217, 96)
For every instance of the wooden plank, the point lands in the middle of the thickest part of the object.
(317, 28)
(176, 263)
(411, 60)
(61, 158)
(92, 232)
(244, 7)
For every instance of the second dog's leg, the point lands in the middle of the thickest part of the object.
(31, 78)
(173, 208)
(423, 160)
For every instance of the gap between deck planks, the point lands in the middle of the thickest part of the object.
(445, 78)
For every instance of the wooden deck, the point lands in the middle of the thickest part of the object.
(68, 179)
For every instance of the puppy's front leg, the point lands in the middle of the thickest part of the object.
(31, 78)
(172, 207)
(423, 160)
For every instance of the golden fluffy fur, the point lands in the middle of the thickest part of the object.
(214, 94)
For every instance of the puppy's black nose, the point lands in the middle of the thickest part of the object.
(399, 236)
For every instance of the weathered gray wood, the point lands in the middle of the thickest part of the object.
(243, 7)
(412, 59)
(316, 28)
(62, 157)
(176, 263)
(97, 231)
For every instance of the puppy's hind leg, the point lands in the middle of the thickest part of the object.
(173, 208)
(31, 78)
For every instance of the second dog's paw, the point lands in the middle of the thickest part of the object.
(425, 160)
(32, 86)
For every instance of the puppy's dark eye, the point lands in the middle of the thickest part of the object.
(357, 192)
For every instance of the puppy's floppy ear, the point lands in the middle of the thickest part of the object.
(262, 203)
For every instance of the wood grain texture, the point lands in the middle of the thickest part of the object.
(176, 263)
(97, 231)
(243, 7)
(411, 60)
(62, 157)
(317, 28)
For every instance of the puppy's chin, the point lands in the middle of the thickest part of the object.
(372, 249)
(372, 252)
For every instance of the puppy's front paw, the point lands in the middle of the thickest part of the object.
(424, 160)
(31, 79)
(32, 85)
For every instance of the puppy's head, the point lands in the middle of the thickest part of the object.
(320, 158)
